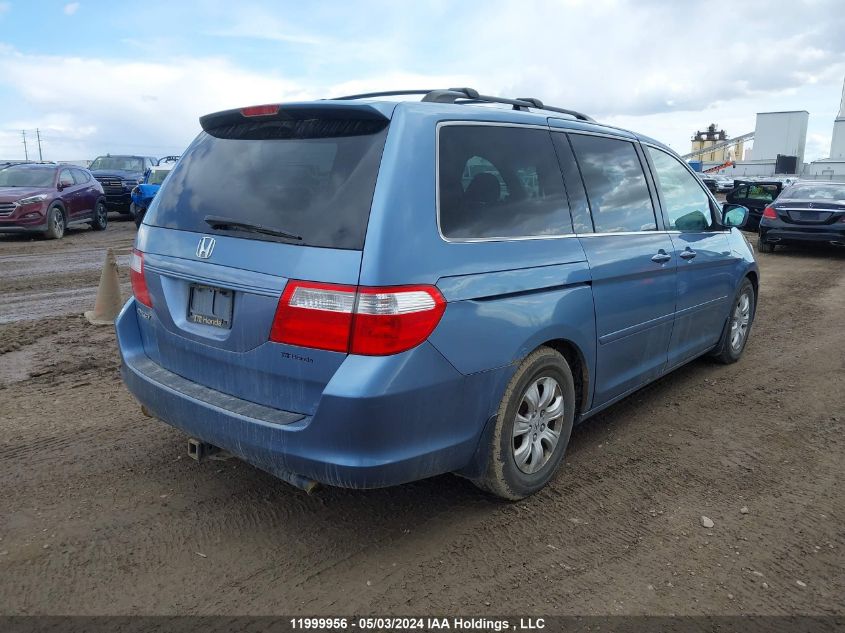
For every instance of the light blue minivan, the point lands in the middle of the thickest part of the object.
(363, 292)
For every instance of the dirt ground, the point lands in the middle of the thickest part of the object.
(102, 512)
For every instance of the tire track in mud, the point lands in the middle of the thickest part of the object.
(41, 279)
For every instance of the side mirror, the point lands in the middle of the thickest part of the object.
(734, 215)
(64, 184)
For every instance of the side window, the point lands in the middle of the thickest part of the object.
(687, 205)
(765, 193)
(740, 193)
(615, 184)
(500, 182)
(66, 179)
(79, 176)
(479, 165)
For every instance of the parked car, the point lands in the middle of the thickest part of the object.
(808, 212)
(755, 196)
(724, 183)
(365, 293)
(143, 193)
(708, 180)
(119, 174)
(47, 198)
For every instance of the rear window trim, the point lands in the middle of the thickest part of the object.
(473, 240)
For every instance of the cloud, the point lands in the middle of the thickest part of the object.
(647, 64)
(147, 107)
(71, 8)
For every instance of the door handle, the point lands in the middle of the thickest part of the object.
(662, 257)
(688, 253)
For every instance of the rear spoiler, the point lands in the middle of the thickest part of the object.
(347, 119)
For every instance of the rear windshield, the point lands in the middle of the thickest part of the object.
(815, 192)
(319, 188)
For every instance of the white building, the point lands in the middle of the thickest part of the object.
(832, 168)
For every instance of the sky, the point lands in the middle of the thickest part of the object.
(133, 77)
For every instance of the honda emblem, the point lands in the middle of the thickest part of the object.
(205, 247)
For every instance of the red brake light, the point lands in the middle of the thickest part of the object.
(394, 319)
(770, 213)
(314, 315)
(139, 282)
(261, 110)
(357, 320)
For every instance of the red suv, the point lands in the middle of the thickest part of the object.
(47, 198)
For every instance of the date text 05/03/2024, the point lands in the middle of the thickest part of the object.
(411, 623)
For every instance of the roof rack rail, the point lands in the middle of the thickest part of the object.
(388, 93)
(470, 95)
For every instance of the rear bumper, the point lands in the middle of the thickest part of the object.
(381, 421)
(785, 233)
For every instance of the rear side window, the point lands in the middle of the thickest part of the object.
(500, 182)
(615, 183)
(303, 182)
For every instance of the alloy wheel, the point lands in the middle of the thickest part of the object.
(740, 321)
(538, 423)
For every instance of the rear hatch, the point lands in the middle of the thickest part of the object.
(263, 195)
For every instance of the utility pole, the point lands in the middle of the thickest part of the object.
(25, 152)
(38, 134)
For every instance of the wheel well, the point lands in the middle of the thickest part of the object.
(752, 277)
(578, 365)
(58, 205)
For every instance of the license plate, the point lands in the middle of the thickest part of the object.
(210, 306)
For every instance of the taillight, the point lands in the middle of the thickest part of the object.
(139, 282)
(260, 110)
(391, 320)
(356, 320)
(314, 315)
(769, 212)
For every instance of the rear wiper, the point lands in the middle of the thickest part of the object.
(217, 222)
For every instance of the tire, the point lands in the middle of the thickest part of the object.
(56, 223)
(101, 216)
(735, 335)
(764, 246)
(518, 463)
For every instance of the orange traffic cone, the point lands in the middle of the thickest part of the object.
(108, 302)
